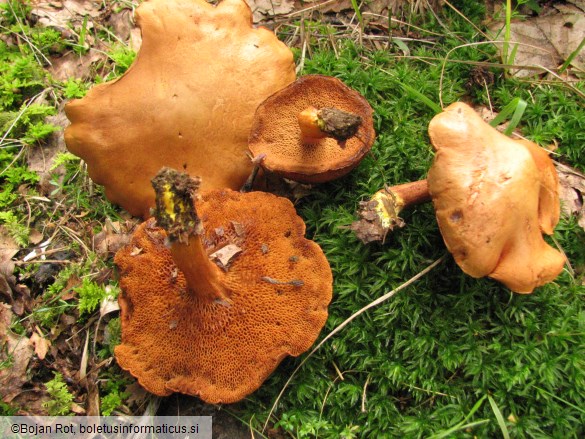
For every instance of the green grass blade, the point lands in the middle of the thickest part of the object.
(458, 427)
(414, 93)
(516, 117)
(356, 9)
(516, 108)
(580, 409)
(512, 55)
(462, 424)
(507, 31)
(499, 417)
(572, 56)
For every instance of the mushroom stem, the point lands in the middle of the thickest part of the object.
(256, 163)
(327, 122)
(380, 214)
(175, 212)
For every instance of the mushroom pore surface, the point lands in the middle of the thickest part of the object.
(276, 132)
(187, 101)
(279, 287)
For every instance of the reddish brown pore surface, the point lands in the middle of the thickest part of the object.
(276, 132)
(175, 342)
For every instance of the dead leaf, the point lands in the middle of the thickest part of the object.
(8, 249)
(31, 402)
(225, 255)
(92, 405)
(113, 237)
(545, 41)
(77, 409)
(109, 304)
(73, 65)
(8, 246)
(15, 351)
(61, 14)
(40, 343)
(572, 192)
(138, 396)
(261, 9)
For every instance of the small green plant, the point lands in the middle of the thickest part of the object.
(18, 231)
(91, 295)
(123, 57)
(74, 88)
(7, 410)
(114, 396)
(61, 398)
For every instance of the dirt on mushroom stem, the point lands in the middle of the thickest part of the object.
(380, 214)
(328, 122)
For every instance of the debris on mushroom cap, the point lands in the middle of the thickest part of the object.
(280, 285)
(493, 198)
(187, 101)
(276, 131)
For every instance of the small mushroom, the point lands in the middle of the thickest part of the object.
(190, 326)
(187, 101)
(494, 197)
(312, 131)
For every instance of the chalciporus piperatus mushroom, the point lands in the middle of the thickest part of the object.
(315, 130)
(494, 197)
(217, 291)
(187, 101)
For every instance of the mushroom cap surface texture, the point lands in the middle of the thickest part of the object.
(280, 285)
(276, 132)
(494, 197)
(187, 101)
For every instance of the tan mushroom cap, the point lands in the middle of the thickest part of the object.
(276, 132)
(493, 198)
(187, 101)
(280, 285)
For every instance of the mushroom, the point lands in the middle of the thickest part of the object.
(239, 289)
(315, 130)
(494, 197)
(187, 101)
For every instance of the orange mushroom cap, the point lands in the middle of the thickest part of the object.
(279, 285)
(187, 101)
(493, 198)
(276, 131)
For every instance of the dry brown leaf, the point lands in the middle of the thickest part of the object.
(73, 65)
(261, 9)
(572, 192)
(60, 14)
(40, 343)
(225, 254)
(16, 351)
(8, 249)
(112, 237)
(545, 41)
(8, 246)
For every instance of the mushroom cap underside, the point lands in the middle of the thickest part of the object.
(276, 132)
(493, 200)
(280, 286)
(187, 101)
